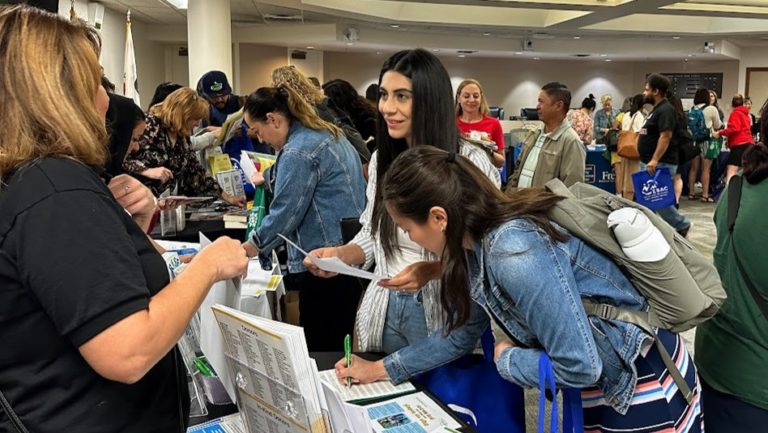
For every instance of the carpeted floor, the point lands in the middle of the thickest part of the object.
(703, 236)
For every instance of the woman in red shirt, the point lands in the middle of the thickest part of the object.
(739, 134)
(473, 120)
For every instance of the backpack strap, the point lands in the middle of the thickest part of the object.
(643, 320)
(556, 186)
(734, 201)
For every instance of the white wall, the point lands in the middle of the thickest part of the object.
(754, 57)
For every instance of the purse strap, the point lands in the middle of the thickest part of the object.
(734, 201)
(12, 417)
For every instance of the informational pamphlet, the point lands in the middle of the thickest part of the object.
(412, 413)
(228, 424)
(334, 264)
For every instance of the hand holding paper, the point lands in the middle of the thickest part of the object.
(334, 264)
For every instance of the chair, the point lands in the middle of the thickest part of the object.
(497, 112)
(529, 114)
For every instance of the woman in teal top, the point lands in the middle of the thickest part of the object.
(732, 348)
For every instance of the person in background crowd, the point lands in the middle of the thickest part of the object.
(215, 88)
(90, 332)
(633, 121)
(713, 101)
(738, 131)
(732, 347)
(162, 91)
(581, 120)
(502, 252)
(605, 117)
(554, 151)
(291, 77)
(197, 141)
(164, 156)
(655, 144)
(681, 119)
(701, 101)
(317, 182)
(472, 117)
(755, 126)
(125, 123)
(359, 109)
(402, 316)
(372, 93)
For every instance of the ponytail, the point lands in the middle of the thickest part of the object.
(286, 101)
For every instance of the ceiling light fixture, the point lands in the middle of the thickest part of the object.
(608, 60)
(435, 50)
(487, 34)
(675, 37)
(603, 55)
(577, 37)
(350, 43)
(518, 52)
(178, 4)
(310, 47)
(462, 55)
(395, 26)
(536, 58)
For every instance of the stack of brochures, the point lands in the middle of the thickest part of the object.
(278, 388)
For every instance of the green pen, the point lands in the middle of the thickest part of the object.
(348, 355)
(203, 367)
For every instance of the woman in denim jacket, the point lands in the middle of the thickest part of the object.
(403, 316)
(318, 181)
(503, 253)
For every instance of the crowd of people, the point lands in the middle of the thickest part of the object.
(90, 316)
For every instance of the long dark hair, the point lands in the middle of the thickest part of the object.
(423, 177)
(636, 104)
(701, 96)
(755, 159)
(433, 122)
(345, 97)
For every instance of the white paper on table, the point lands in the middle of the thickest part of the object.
(211, 341)
(344, 417)
(356, 392)
(248, 167)
(334, 264)
(228, 424)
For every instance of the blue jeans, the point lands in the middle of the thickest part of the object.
(405, 323)
(670, 214)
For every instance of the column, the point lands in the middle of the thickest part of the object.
(209, 36)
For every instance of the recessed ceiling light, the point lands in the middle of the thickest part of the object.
(178, 4)
(378, 52)
(487, 34)
(350, 43)
(603, 55)
(310, 47)
(577, 37)
(690, 55)
(608, 60)
(435, 49)
(462, 55)
(675, 37)
(536, 58)
(518, 52)
(395, 26)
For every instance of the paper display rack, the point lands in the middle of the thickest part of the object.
(267, 405)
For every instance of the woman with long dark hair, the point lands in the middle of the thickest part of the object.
(704, 159)
(402, 316)
(360, 110)
(318, 182)
(504, 253)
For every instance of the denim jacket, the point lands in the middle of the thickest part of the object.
(318, 181)
(533, 285)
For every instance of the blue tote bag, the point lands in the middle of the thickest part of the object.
(472, 387)
(654, 192)
(573, 416)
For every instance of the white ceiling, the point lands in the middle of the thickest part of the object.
(620, 29)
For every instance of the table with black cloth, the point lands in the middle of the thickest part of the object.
(326, 361)
(212, 229)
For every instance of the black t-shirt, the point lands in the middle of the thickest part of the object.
(73, 263)
(662, 118)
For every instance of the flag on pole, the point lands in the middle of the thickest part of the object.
(130, 80)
